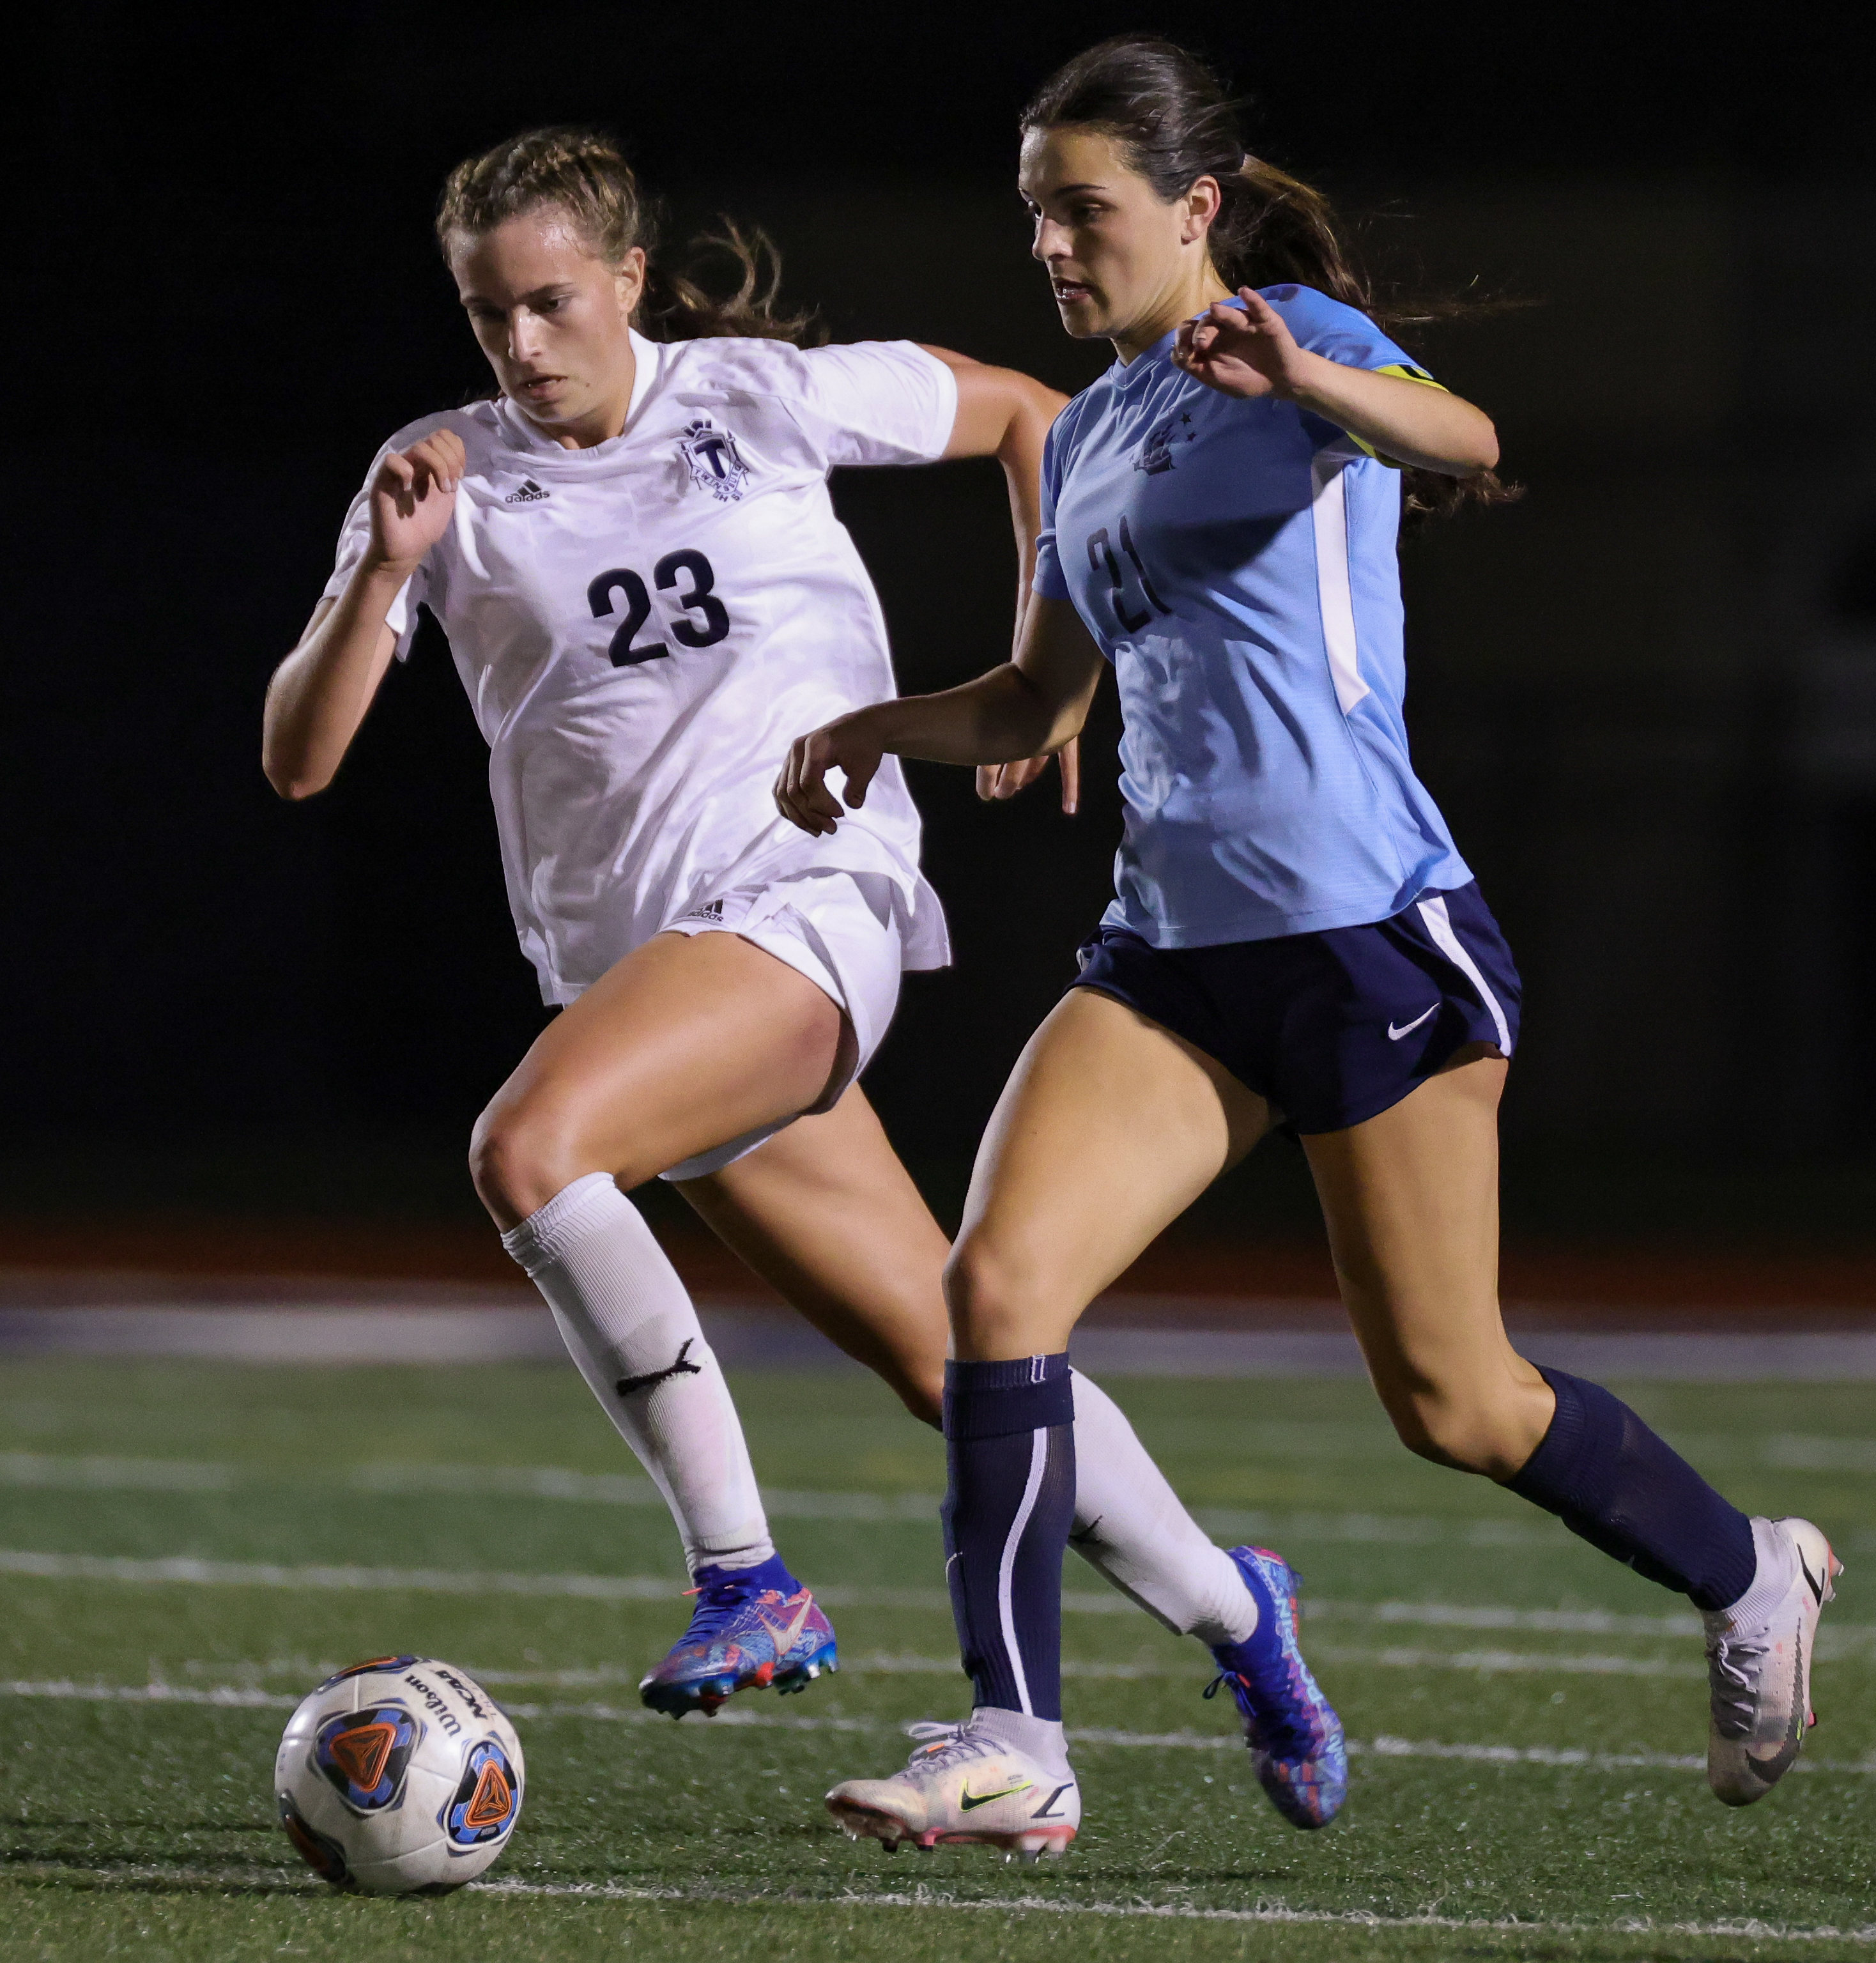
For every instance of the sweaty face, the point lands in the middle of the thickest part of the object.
(553, 320)
(1123, 263)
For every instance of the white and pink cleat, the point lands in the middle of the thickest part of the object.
(962, 1788)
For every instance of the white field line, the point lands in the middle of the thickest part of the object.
(1490, 1662)
(1793, 1452)
(46, 1471)
(1836, 1644)
(277, 1880)
(547, 1482)
(189, 1571)
(1485, 1661)
(1567, 1758)
(907, 1508)
(1491, 1616)
(1265, 1912)
(1840, 1642)
(1784, 1451)
(146, 1475)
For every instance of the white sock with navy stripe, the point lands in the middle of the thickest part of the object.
(631, 1327)
(1132, 1527)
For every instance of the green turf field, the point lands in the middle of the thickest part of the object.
(184, 1550)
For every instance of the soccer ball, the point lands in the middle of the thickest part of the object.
(399, 1776)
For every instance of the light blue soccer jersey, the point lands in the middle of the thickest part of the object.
(1236, 562)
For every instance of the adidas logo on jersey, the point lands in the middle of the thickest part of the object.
(530, 493)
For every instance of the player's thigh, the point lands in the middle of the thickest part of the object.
(1110, 1128)
(690, 1041)
(1411, 1200)
(827, 1214)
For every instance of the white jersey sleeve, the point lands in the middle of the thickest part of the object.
(355, 536)
(874, 401)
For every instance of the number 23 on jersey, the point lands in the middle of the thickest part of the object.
(697, 597)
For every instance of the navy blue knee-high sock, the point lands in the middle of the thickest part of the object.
(1010, 1437)
(1607, 1477)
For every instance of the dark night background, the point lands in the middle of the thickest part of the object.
(1646, 695)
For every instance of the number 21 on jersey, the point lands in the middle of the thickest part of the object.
(1104, 559)
(698, 598)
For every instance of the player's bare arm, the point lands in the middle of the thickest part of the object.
(1250, 352)
(320, 693)
(1005, 414)
(1032, 706)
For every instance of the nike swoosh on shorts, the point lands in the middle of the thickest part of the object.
(1407, 1028)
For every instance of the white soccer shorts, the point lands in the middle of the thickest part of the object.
(847, 933)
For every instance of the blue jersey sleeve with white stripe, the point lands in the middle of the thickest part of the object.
(1235, 561)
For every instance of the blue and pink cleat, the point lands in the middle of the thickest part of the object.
(754, 1628)
(1295, 1736)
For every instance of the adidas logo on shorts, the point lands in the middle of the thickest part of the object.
(711, 910)
(530, 493)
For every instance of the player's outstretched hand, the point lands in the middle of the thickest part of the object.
(801, 794)
(998, 781)
(413, 497)
(1246, 352)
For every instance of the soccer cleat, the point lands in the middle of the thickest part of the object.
(743, 1636)
(1295, 1736)
(961, 1788)
(1759, 1676)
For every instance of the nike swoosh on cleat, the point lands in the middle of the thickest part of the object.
(784, 1638)
(969, 1801)
(1811, 1580)
(1771, 1766)
(1407, 1028)
(626, 1385)
(1048, 1807)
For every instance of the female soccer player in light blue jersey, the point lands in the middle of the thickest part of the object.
(1295, 939)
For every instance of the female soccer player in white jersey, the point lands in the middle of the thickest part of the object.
(1295, 939)
(633, 552)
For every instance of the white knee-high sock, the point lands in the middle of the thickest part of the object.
(630, 1325)
(1131, 1526)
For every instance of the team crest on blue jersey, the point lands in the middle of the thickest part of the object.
(1156, 453)
(716, 465)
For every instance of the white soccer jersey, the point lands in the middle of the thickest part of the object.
(644, 627)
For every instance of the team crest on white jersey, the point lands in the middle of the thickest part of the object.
(716, 465)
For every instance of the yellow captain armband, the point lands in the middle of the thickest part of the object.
(1405, 373)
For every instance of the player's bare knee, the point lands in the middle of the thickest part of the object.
(1464, 1433)
(991, 1306)
(1412, 1424)
(519, 1160)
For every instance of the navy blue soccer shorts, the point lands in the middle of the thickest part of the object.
(1332, 1028)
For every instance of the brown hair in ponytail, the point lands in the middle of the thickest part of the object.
(1176, 122)
(583, 174)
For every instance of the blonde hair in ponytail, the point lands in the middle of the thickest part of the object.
(583, 174)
